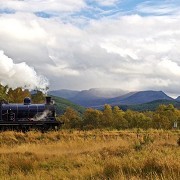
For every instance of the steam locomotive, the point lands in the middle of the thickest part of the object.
(28, 116)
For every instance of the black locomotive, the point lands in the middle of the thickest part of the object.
(28, 116)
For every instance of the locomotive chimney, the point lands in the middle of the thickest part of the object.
(48, 100)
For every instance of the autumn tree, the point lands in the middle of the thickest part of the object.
(119, 122)
(165, 116)
(38, 97)
(107, 117)
(71, 118)
(17, 95)
(4, 93)
(92, 118)
(137, 120)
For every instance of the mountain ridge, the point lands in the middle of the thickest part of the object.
(178, 98)
(94, 98)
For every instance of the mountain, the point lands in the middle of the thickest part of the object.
(61, 105)
(96, 92)
(145, 97)
(134, 98)
(106, 92)
(96, 97)
(138, 101)
(178, 98)
(91, 97)
(64, 93)
(86, 98)
(119, 99)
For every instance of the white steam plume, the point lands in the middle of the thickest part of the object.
(42, 116)
(20, 75)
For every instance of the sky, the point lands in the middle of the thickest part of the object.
(67, 44)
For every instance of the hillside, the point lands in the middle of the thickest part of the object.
(96, 98)
(145, 97)
(95, 92)
(64, 93)
(88, 98)
(132, 98)
(151, 106)
(178, 98)
(61, 105)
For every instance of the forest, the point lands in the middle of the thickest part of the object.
(164, 117)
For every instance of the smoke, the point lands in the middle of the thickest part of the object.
(20, 75)
(42, 116)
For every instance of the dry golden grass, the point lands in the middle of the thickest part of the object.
(89, 155)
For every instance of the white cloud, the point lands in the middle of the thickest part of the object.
(42, 5)
(22, 28)
(159, 8)
(20, 74)
(130, 52)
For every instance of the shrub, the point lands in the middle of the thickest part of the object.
(110, 170)
(152, 166)
(138, 146)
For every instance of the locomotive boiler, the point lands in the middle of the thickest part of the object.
(28, 116)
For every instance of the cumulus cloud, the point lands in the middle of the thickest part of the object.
(20, 75)
(130, 52)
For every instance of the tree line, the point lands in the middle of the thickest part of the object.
(164, 117)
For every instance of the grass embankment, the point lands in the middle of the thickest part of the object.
(90, 155)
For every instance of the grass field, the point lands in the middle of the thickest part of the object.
(153, 154)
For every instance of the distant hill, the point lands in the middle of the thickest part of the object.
(106, 92)
(88, 98)
(97, 92)
(145, 97)
(178, 98)
(96, 98)
(64, 93)
(61, 105)
(133, 98)
(151, 106)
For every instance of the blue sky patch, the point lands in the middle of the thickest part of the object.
(43, 14)
(7, 11)
(97, 9)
